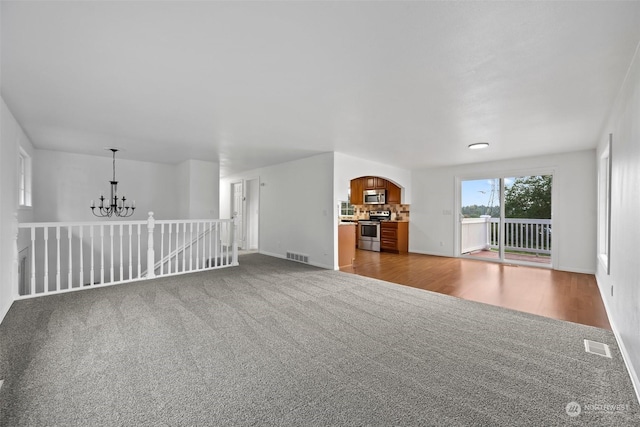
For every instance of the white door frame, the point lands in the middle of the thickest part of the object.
(235, 209)
(250, 226)
(501, 175)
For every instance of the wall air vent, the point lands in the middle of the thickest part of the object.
(298, 257)
(597, 348)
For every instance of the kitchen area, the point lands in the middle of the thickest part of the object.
(373, 219)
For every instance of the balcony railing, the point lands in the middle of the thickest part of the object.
(520, 234)
(61, 257)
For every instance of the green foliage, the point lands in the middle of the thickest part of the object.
(474, 211)
(529, 197)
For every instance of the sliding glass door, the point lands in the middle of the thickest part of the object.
(507, 219)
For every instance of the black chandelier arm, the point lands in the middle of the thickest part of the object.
(108, 212)
(115, 205)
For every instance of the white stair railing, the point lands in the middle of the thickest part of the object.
(64, 257)
(195, 245)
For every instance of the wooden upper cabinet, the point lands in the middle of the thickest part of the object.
(394, 194)
(358, 186)
(374, 183)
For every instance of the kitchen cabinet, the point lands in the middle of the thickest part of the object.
(358, 185)
(346, 244)
(374, 183)
(357, 188)
(393, 194)
(394, 236)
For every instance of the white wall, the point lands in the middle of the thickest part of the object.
(202, 179)
(624, 306)
(11, 138)
(296, 208)
(65, 184)
(433, 215)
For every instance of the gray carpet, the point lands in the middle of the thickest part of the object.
(273, 342)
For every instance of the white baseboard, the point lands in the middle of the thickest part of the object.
(635, 380)
(448, 255)
(575, 270)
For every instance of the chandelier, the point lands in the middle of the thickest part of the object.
(115, 206)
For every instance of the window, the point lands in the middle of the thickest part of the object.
(346, 209)
(604, 206)
(24, 178)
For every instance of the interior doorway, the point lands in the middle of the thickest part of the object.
(252, 213)
(237, 210)
(507, 219)
(245, 206)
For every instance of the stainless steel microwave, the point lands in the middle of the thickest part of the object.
(374, 197)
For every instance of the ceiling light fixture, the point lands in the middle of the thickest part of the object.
(478, 145)
(115, 206)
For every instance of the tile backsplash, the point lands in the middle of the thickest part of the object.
(398, 212)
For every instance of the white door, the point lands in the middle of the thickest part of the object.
(252, 212)
(507, 219)
(237, 211)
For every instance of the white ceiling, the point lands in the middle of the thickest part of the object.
(248, 84)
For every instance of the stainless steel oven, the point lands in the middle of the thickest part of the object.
(369, 231)
(369, 239)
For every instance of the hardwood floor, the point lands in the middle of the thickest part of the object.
(556, 294)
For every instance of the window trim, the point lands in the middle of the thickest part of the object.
(604, 206)
(24, 179)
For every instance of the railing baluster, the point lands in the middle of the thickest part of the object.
(227, 240)
(46, 259)
(225, 244)
(205, 234)
(92, 257)
(33, 260)
(151, 255)
(211, 231)
(175, 270)
(197, 246)
(121, 265)
(130, 277)
(169, 248)
(184, 245)
(57, 258)
(139, 270)
(101, 254)
(511, 233)
(217, 243)
(111, 274)
(230, 243)
(190, 246)
(548, 233)
(161, 249)
(70, 275)
(81, 275)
